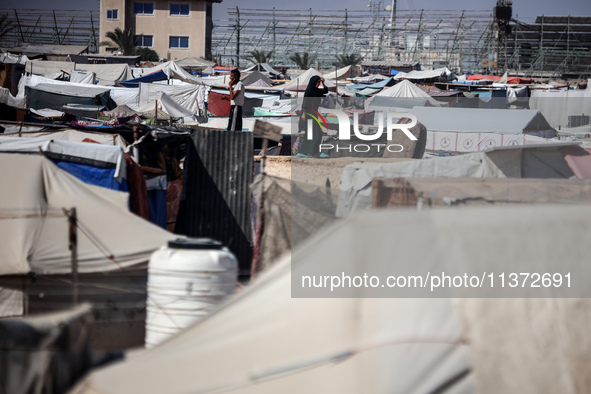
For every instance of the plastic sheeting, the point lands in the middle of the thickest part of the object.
(145, 78)
(527, 162)
(86, 77)
(120, 95)
(303, 79)
(407, 89)
(45, 353)
(9, 99)
(70, 135)
(156, 188)
(263, 67)
(481, 120)
(100, 155)
(194, 62)
(188, 96)
(166, 107)
(44, 67)
(107, 74)
(34, 240)
(340, 73)
(375, 85)
(427, 74)
(305, 345)
(558, 105)
(257, 79)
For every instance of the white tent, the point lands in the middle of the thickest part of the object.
(265, 68)
(194, 62)
(265, 341)
(426, 74)
(187, 95)
(166, 107)
(68, 135)
(482, 120)
(340, 73)
(303, 79)
(34, 229)
(407, 89)
(106, 74)
(119, 95)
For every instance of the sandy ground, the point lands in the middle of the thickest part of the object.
(315, 171)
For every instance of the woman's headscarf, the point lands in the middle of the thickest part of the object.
(313, 94)
(312, 90)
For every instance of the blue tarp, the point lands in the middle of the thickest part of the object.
(152, 77)
(157, 200)
(377, 85)
(93, 175)
(394, 72)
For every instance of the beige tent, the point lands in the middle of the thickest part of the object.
(265, 341)
(303, 79)
(340, 73)
(34, 227)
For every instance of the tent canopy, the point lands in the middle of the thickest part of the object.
(256, 78)
(194, 62)
(263, 67)
(265, 341)
(35, 239)
(54, 96)
(481, 120)
(303, 79)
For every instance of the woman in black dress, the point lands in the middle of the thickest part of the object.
(312, 97)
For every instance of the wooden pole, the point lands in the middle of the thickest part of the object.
(264, 154)
(73, 246)
(155, 110)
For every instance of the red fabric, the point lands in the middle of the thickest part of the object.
(173, 200)
(224, 68)
(217, 106)
(579, 160)
(138, 192)
(510, 80)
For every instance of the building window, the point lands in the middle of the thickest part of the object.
(143, 8)
(179, 9)
(179, 42)
(113, 14)
(143, 41)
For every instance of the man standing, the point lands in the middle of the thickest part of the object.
(236, 101)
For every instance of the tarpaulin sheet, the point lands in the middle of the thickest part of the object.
(217, 106)
(188, 96)
(146, 78)
(107, 74)
(119, 95)
(92, 175)
(35, 239)
(579, 160)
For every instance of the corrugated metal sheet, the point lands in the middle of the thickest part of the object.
(217, 204)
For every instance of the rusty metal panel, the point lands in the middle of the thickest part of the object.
(217, 203)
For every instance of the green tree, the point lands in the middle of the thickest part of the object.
(345, 60)
(258, 57)
(303, 61)
(123, 39)
(147, 54)
(5, 26)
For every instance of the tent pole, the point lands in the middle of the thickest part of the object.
(73, 246)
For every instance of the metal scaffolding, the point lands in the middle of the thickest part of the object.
(554, 46)
(61, 27)
(460, 41)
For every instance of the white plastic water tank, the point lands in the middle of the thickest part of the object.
(186, 281)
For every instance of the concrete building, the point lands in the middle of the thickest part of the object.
(173, 28)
